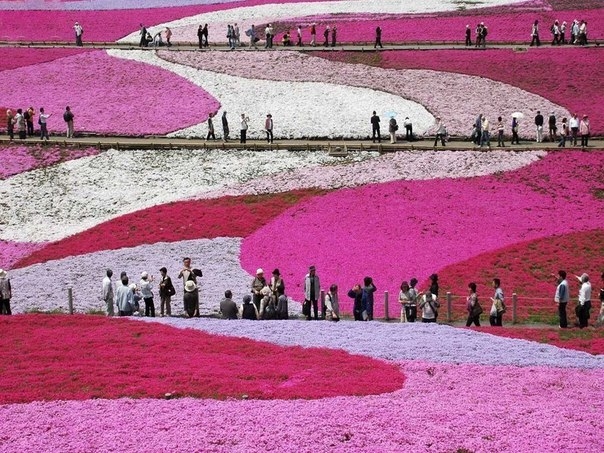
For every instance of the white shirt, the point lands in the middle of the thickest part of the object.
(44, 117)
(585, 293)
(574, 122)
(108, 288)
(146, 289)
(244, 125)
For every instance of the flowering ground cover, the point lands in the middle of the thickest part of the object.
(17, 57)
(576, 90)
(18, 159)
(118, 358)
(416, 229)
(526, 269)
(587, 340)
(416, 85)
(11, 252)
(115, 106)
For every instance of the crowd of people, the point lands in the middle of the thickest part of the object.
(22, 121)
(577, 32)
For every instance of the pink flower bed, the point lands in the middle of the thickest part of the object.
(82, 357)
(16, 57)
(11, 252)
(571, 85)
(399, 230)
(18, 159)
(444, 408)
(129, 98)
(514, 26)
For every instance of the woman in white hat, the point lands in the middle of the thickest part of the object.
(5, 293)
(190, 298)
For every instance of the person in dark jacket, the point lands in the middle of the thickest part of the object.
(434, 284)
(166, 291)
(539, 126)
(228, 308)
(191, 298)
(375, 128)
(356, 293)
(368, 290)
(225, 127)
(378, 38)
(248, 309)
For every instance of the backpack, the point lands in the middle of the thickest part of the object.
(248, 312)
(270, 312)
(67, 116)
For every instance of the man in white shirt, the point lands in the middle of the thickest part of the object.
(561, 298)
(78, 34)
(584, 306)
(574, 127)
(108, 292)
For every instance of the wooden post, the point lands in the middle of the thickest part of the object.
(322, 304)
(449, 307)
(514, 305)
(386, 314)
(70, 299)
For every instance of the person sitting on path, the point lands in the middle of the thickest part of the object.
(228, 308)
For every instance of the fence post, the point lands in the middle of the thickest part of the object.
(449, 307)
(514, 305)
(386, 314)
(70, 299)
(322, 304)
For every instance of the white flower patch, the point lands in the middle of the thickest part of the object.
(52, 203)
(448, 95)
(299, 109)
(408, 165)
(262, 14)
(217, 258)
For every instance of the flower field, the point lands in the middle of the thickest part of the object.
(88, 383)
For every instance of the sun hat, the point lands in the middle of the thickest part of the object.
(259, 271)
(3, 273)
(144, 275)
(190, 286)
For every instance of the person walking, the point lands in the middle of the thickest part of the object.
(252, 35)
(211, 134)
(574, 127)
(500, 129)
(237, 34)
(10, 124)
(535, 34)
(378, 37)
(312, 291)
(555, 29)
(268, 128)
(68, 118)
(539, 126)
(313, 35)
(326, 37)
(561, 297)
(146, 288)
(225, 127)
(200, 36)
(498, 307)
(268, 34)
(143, 33)
(468, 36)
(441, 132)
(79, 31)
(108, 292)
(5, 293)
(582, 310)
(584, 130)
(333, 36)
(299, 35)
(43, 122)
(392, 128)
(166, 291)
(473, 307)
(243, 129)
(375, 128)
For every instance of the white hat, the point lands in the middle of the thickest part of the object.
(190, 286)
(132, 286)
(144, 275)
(3, 273)
(259, 271)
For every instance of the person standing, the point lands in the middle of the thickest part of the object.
(313, 35)
(515, 138)
(312, 291)
(498, 307)
(68, 118)
(539, 126)
(299, 35)
(79, 31)
(43, 122)
(168, 37)
(29, 120)
(237, 35)
(166, 291)
(584, 130)
(551, 122)
(204, 36)
(368, 290)
(500, 129)
(268, 36)
(601, 315)
(200, 36)
(404, 299)
(332, 304)
(10, 124)
(468, 36)
(563, 33)
(228, 307)
(356, 293)
(555, 33)
(584, 305)
(230, 36)
(574, 32)
(143, 32)
(326, 36)
(243, 129)
(392, 128)
(375, 128)
(378, 37)
(486, 132)
(535, 34)
(441, 132)
(574, 127)
(225, 127)
(334, 31)
(5, 293)
(429, 306)
(211, 134)
(562, 297)
(564, 134)
(408, 129)
(473, 307)
(190, 275)
(252, 34)
(124, 297)
(146, 288)
(108, 292)
(434, 288)
(268, 128)
(20, 123)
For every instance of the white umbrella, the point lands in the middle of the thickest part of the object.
(518, 115)
(390, 114)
